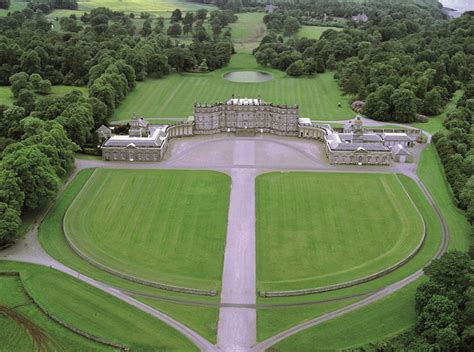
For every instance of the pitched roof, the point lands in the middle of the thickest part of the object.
(395, 137)
(155, 140)
(399, 150)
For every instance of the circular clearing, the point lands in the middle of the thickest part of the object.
(248, 76)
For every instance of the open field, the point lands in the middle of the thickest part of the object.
(379, 320)
(431, 173)
(248, 31)
(6, 96)
(15, 5)
(202, 319)
(52, 239)
(29, 329)
(435, 123)
(175, 95)
(273, 321)
(165, 226)
(137, 6)
(320, 229)
(314, 32)
(95, 312)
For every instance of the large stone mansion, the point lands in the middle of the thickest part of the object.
(354, 145)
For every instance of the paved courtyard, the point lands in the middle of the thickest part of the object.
(243, 158)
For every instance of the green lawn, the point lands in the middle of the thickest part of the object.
(165, 226)
(202, 319)
(320, 229)
(175, 95)
(52, 240)
(435, 123)
(314, 32)
(272, 321)
(248, 31)
(430, 171)
(6, 96)
(92, 311)
(18, 337)
(382, 319)
(137, 6)
(15, 5)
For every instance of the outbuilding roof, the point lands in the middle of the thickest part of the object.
(155, 140)
(399, 150)
(395, 137)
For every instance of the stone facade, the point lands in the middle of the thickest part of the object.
(246, 114)
(355, 145)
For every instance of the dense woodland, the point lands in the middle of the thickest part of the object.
(102, 50)
(402, 64)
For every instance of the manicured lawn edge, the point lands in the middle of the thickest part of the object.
(361, 280)
(61, 322)
(111, 271)
(52, 240)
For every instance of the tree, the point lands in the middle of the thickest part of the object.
(180, 59)
(10, 123)
(99, 112)
(160, 25)
(188, 18)
(467, 197)
(158, 65)
(78, 122)
(30, 62)
(9, 223)
(176, 16)
(26, 100)
(44, 87)
(440, 313)
(4, 4)
(404, 103)
(187, 28)
(146, 29)
(433, 103)
(37, 178)
(451, 271)
(297, 68)
(353, 84)
(51, 139)
(320, 66)
(174, 30)
(290, 26)
(10, 191)
(18, 82)
(201, 14)
(266, 57)
(35, 80)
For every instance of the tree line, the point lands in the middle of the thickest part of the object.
(455, 149)
(104, 51)
(404, 64)
(444, 308)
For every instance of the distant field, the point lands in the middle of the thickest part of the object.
(138, 6)
(248, 31)
(14, 6)
(314, 32)
(320, 229)
(175, 95)
(164, 226)
(435, 123)
(6, 96)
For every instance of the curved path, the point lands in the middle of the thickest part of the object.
(240, 158)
